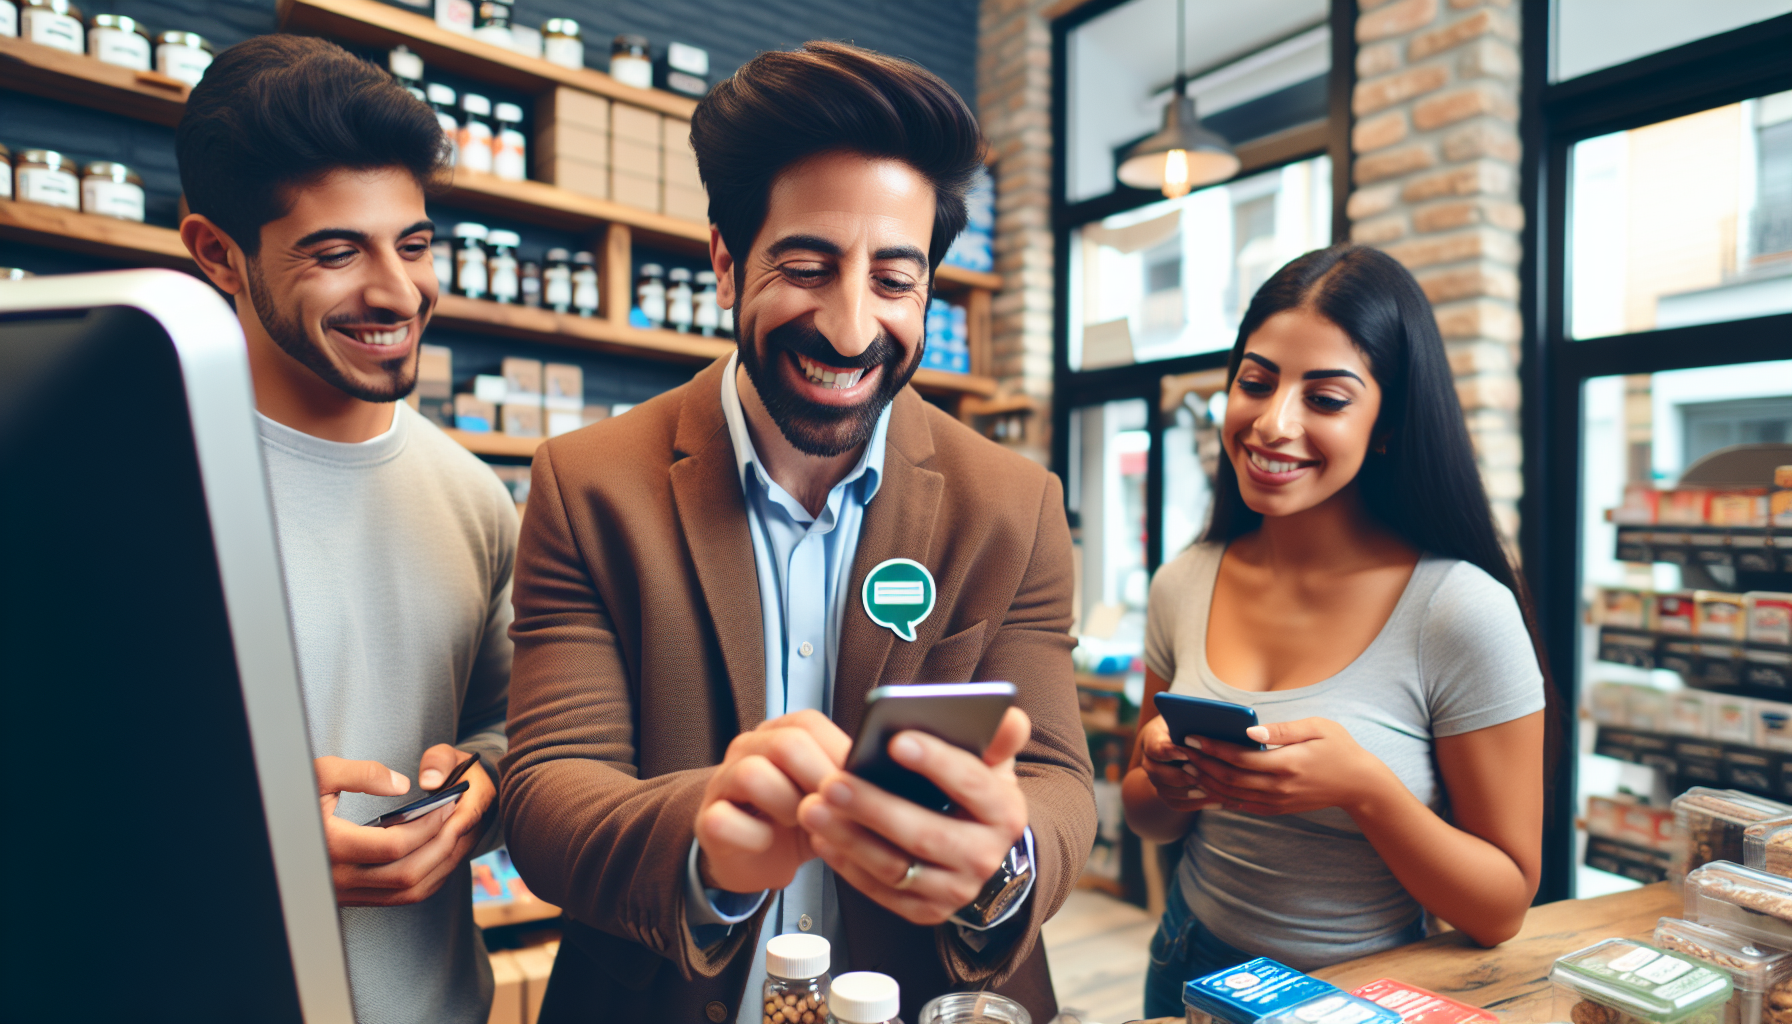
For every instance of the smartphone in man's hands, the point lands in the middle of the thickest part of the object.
(965, 715)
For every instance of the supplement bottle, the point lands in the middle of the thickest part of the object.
(475, 133)
(112, 190)
(441, 100)
(441, 252)
(491, 22)
(406, 66)
(650, 294)
(796, 979)
(561, 43)
(46, 176)
(678, 300)
(116, 39)
(506, 284)
(53, 23)
(864, 997)
(509, 149)
(630, 61)
(5, 165)
(9, 22)
(183, 56)
(707, 316)
(471, 276)
(531, 284)
(556, 281)
(584, 284)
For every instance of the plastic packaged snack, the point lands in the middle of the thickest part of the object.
(1767, 846)
(1620, 981)
(1747, 903)
(1761, 978)
(1265, 992)
(1710, 823)
(1418, 1006)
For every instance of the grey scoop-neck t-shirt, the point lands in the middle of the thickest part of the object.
(1308, 889)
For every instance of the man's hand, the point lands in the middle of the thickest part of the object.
(870, 836)
(388, 867)
(747, 828)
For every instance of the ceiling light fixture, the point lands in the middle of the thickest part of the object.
(1184, 154)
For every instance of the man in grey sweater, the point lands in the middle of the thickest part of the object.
(305, 170)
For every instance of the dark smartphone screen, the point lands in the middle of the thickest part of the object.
(965, 715)
(1210, 719)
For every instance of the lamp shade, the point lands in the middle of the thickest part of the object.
(1183, 155)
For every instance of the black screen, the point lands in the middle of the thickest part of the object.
(140, 883)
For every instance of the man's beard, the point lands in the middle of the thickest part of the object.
(810, 427)
(289, 333)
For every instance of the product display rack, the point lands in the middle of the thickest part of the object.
(613, 227)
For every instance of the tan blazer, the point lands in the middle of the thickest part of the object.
(639, 656)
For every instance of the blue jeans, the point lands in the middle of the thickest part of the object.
(1181, 951)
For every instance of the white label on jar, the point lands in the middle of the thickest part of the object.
(52, 188)
(635, 71)
(472, 278)
(183, 63)
(556, 287)
(9, 26)
(47, 28)
(584, 290)
(564, 51)
(504, 284)
(476, 147)
(507, 156)
(112, 198)
(116, 46)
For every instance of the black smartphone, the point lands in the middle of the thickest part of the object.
(448, 792)
(1210, 719)
(965, 715)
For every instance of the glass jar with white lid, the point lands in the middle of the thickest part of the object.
(183, 56)
(111, 189)
(562, 44)
(116, 39)
(46, 176)
(52, 23)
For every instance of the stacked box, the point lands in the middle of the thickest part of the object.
(572, 142)
(435, 384)
(635, 157)
(564, 400)
(522, 412)
(684, 195)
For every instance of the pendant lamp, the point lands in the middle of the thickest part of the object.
(1184, 154)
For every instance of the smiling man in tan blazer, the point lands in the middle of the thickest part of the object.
(692, 650)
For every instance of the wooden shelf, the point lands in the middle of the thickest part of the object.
(1000, 405)
(107, 237)
(953, 385)
(75, 78)
(377, 24)
(549, 327)
(948, 276)
(538, 202)
(481, 443)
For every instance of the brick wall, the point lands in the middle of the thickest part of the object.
(1014, 94)
(1436, 186)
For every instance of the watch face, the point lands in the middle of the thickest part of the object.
(1003, 888)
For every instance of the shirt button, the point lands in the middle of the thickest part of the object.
(807, 649)
(805, 923)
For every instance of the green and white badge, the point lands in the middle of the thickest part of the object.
(898, 594)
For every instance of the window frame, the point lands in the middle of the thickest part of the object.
(1077, 389)
(1726, 68)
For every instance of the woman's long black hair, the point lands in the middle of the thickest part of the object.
(1424, 486)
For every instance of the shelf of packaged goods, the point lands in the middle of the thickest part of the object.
(504, 445)
(107, 237)
(949, 276)
(537, 202)
(549, 327)
(499, 914)
(371, 23)
(75, 78)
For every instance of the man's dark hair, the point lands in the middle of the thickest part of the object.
(275, 112)
(784, 106)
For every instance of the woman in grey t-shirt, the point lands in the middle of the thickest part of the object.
(1353, 590)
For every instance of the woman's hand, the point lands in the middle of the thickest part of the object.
(1315, 763)
(1171, 769)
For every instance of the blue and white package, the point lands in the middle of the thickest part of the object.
(1265, 992)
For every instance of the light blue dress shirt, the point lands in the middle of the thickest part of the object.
(804, 565)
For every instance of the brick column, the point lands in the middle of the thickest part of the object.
(1014, 97)
(1436, 176)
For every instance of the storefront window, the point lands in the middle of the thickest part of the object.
(1174, 278)
(1683, 222)
(1595, 34)
(1110, 447)
(1193, 404)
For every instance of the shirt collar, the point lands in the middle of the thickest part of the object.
(746, 459)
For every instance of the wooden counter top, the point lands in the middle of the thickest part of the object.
(1512, 979)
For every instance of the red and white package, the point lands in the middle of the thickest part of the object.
(1417, 1006)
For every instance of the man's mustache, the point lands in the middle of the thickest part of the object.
(383, 317)
(801, 337)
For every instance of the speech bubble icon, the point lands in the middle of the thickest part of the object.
(898, 595)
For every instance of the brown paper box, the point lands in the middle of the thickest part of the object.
(574, 141)
(637, 123)
(686, 203)
(636, 158)
(573, 107)
(522, 419)
(576, 176)
(642, 193)
(522, 376)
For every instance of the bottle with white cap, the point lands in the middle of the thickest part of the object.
(796, 979)
(864, 997)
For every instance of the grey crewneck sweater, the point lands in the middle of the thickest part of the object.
(398, 554)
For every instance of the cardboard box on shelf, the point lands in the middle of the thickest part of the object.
(563, 386)
(573, 107)
(637, 123)
(1739, 508)
(572, 142)
(522, 419)
(507, 989)
(522, 379)
(434, 393)
(680, 158)
(686, 203)
(633, 190)
(1689, 713)
(632, 156)
(591, 180)
(474, 414)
